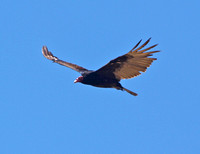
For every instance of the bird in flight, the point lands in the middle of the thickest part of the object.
(123, 67)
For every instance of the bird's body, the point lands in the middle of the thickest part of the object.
(109, 76)
(100, 81)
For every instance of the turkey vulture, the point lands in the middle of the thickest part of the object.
(123, 67)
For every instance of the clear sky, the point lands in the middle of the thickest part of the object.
(43, 111)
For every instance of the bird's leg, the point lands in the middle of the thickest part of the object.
(118, 86)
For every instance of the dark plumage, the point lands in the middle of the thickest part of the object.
(108, 76)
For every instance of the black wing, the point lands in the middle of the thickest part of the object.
(130, 64)
(50, 56)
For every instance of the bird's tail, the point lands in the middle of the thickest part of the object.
(130, 92)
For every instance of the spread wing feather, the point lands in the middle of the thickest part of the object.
(50, 56)
(129, 65)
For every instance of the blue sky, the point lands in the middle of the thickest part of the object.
(43, 111)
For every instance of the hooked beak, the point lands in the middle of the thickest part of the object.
(79, 79)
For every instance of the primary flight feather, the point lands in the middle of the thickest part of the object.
(124, 67)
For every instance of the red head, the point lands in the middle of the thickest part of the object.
(79, 79)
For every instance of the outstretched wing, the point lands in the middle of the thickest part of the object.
(130, 64)
(50, 56)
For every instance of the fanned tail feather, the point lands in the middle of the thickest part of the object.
(130, 92)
